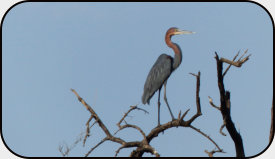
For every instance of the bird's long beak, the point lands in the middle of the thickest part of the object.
(184, 32)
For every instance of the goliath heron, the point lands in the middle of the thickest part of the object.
(162, 69)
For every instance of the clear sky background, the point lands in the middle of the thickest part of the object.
(105, 51)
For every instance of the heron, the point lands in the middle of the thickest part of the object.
(162, 69)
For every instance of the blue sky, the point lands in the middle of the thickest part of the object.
(105, 51)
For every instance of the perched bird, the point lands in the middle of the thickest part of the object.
(162, 69)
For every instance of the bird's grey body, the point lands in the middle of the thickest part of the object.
(158, 74)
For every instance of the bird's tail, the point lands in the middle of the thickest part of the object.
(145, 98)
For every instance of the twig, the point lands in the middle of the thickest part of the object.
(87, 129)
(230, 64)
(212, 104)
(197, 98)
(100, 123)
(117, 151)
(237, 63)
(243, 54)
(69, 148)
(92, 149)
(211, 153)
(93, 124)
(184, 114)
(223, 125)
(126, 114)
(131, 126)
(208, 137)
(179, 115)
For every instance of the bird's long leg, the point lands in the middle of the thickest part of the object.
(165, 99)
(159, 109)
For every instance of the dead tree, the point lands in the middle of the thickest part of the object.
(225, 104)
(144, 146)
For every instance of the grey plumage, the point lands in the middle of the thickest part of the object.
(158, 74)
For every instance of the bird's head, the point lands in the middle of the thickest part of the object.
(176, 31)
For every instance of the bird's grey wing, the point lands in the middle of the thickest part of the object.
(158, 74)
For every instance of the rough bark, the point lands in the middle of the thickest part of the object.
(225, 108)
(271, 135)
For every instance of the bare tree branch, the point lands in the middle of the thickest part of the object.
(237, 63)
(100, 123)
(197, 98)
(208, 137)
(132, 126)
(126, 114)
(219, 108)
(211, 153)
(184, 114)
(93, 148)
(212, 104)
(121, 127)
(271, 135)
(146, 148)
(143, 145)
(225, 103)
(65, 149)
(232, 60)
(87, 129)
(179, 122)
(223, 125)
(243, 55)
(118, 150)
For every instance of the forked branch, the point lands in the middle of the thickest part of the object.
(144, 145)
(179, 122)
(237, 63)
(225, 102)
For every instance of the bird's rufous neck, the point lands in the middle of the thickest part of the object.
(177, 50)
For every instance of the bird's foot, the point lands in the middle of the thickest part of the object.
(158, 125)
(173, 118)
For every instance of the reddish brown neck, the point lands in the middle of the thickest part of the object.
(176, 48)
